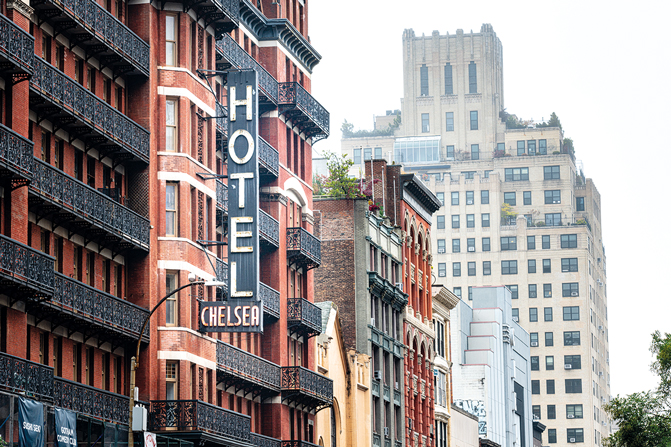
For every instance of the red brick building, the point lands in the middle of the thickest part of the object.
(113, 150)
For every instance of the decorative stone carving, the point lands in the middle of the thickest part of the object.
(21, 6)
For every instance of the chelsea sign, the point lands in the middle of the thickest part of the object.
(243, 312)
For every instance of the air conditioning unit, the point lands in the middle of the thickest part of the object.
(400, 285)
(556, 201)
(574, 293)
(469, 202)
(568, 366)
(395, 385)
(377, 375)
(441, 250)
(571, 440)
(372, 321)
(570, 416)
(600, 373)
(471, 248)
(600, 328)
(516, 319)
(386, 432)
(534, 344)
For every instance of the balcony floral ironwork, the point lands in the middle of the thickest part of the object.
(269, 230)
(90, 26)
(388, 292)
(24, 271)
(258, 440)
(195, 417)
(89, 401)
(303, 249)
(303, 317)
(269, 161)
(222, 15)
(88, 211)
(16, 156)
(222, 120)
(17, 49)
(271, 301)
(241, 370)
(306, 389)
(296, 443)
(60, 99)
(23, 376)
(304, 111)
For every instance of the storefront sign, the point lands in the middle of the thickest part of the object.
(66, 427)
(231, 316)
(31, 423)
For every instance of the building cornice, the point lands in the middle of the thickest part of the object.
(445, 297)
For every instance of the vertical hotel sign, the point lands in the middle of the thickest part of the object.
(243, 312)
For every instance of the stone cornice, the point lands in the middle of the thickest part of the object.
(445, 297)
(21, 6)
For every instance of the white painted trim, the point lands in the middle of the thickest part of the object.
(189, 241)
(184, 355)
(183, 265)
(183, 92)
(169, 176)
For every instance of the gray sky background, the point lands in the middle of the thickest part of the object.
(603, 67)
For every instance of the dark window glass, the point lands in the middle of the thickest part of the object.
(475, 152)
(550, 172)
(448, 80)
(455, 198)
(509, 267)
(455, 221)
(535, 366)
(572, 362)
(472, 78)
(440, 222)
(485, 220)
(521, 148)
(575, 435)
(486, 246)
(486, 268)
(456, 269)
(569, 264)
(552, 435)
(571, 338)
(450, 152)
(580, 204)
(533, 314)
(573, 386)
(442, 269)
(531, 146)
(470, 243)
(533, 292)
(471, 269)
(470, 199)
(574, 411)
(552, 196)
(514, 294)
(570, 289)
(547, 314)
(546, 242)
(516, 174)
(553, 219)
(357, 156)
(510, 198)
(547, 266)
(547, 290)
(549, 339)
(449, 121)
(571, 313)
(527, 197)
(367, 153)
(531, 266)
(470, 220)
(424, 80)
(509, 243)
(531, 242)
(542, 147)
(550, 386)
(456, 245)
(484, 197)
(425, 122)
(569, 241)
(474, 120)
(535, 387)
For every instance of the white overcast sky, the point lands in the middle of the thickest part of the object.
(603, 67)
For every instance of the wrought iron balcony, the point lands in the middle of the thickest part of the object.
(304, 111)
(199, 420)
(271, 301)
(99, 33)
(303, 317)
(16, 155)
(24, 271)
(298, 444)
(61, 100)
(92, 312)
(264, 441)
(17, 48)
(307, 389)
(23, 376)
(222, 121)
(269, 231)
(222, 270)
(240, 370)
(89, 401)
(269, 161)
(303, 249)
(82, 209)
(222, 201)
(233, 55)
(387, 291)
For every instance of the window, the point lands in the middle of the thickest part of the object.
(171, 125)
(439, 327)
(531, 242)
(521, 148)
(455, 221)
(357, 156)
(575, 435)
(468, 175)
(533, 292)
(550, 386)
(531, 266)
(572, 361)
(533, 338)
(535, 387)
(486, 268)
(441, 197)
(474, 120)
(450, 152)
(378, 153)
(549, 363)
(484, 197)
(470, 220)
(509, 243)
(572, 338)
(171, 380)
(569, 241)
(440, 222)
(367, 154)
(580, 204)
(552, 435)
(171, 201)
(533, 314)
(472, 78)
(456, 245)
(570, 289)
(569, 264)
(486, 246)
(441, 245)
(470, 293)
(170, 40)
(448, 80)
(424, 80)
(516, 174)
(571, 313)
(536, 411)
(456, 269)
(531, 145)
(510, 198)
(527, 197)
(457, 291)
(455, 197)
(516, 314)
(487, 171)
(425, 122)
(574, 411)
(442, 270)
(550, 172)
(546, 242)
(552, 412)
(549, 339)
(553, 219)
(547, 290)
(534, 363)
(547, 266)
(485, 220)
(547, 314)
(514, 293)
(552, 196)
(475, 152)
(509, 267)
(470, 200)
(449, 121)
(171, 305)
(471, 269)
(470, 243)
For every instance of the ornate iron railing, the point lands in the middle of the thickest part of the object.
(248, 366)
(107, 310)
(295, 99)
(301, 312)
(16, 151)
(90, 401)
(90, 110)
(222, 196)
(221, 270)
(23, 376)
(300, 379)
(16, 45)
(298, 444)
(271, 300)
(89, 204)
(239, 58)
(106, 29)
(302, 244)
(25, 266)
(269, 228)
(230, 7)
(222, 120)
(269, 158)
(197, 415)
(258, 440)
